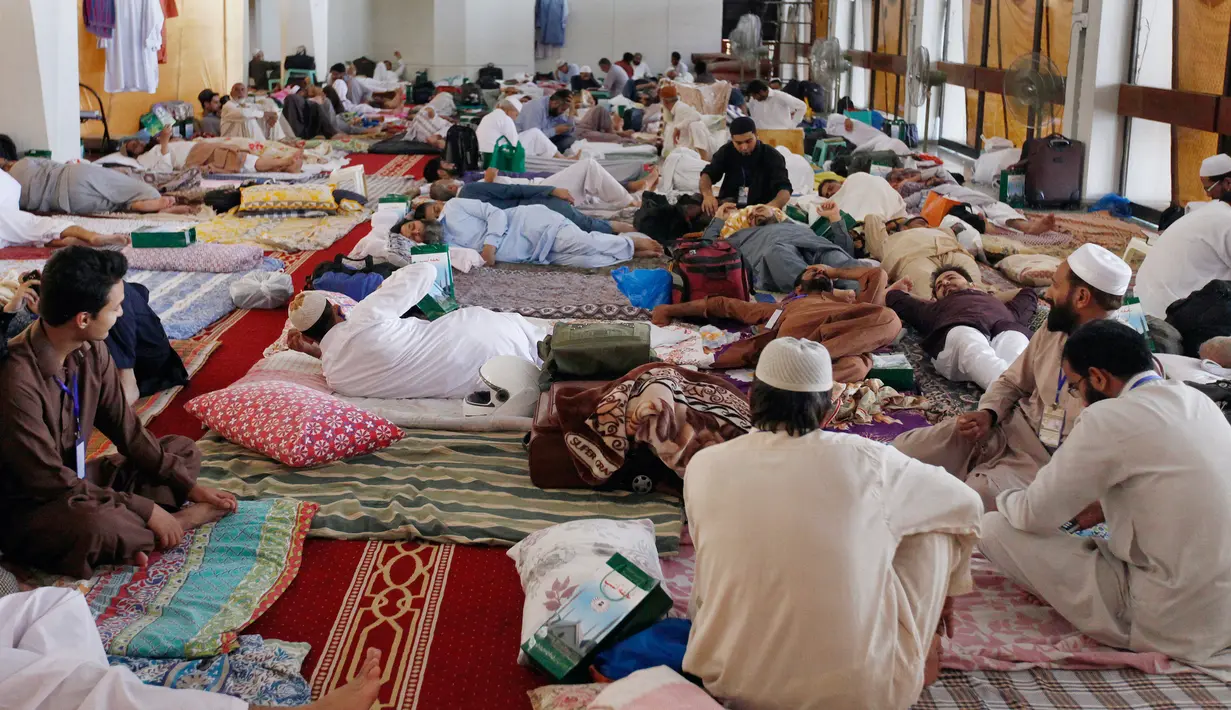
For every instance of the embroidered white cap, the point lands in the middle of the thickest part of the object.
(1216, 165)
(1101, 269)
(306, 309)
(796, 365)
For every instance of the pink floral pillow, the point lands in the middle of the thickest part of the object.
(564, 697)
(291, 423)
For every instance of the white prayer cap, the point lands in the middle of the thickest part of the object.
(1216, 165)
(1101, 269)
(796, 365)
(586, 70)
(306, 309)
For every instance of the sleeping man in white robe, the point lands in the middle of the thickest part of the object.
(51, 657)
(373, 351)
(1149, 457)
(429, 127)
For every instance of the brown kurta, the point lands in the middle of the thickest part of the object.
(48, 517)
(1013, 453)
(916, 253)
(849, 331)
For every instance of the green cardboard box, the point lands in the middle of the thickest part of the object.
(38, 154)
(894, 370)
(158, 238)
(441, 300)
(394, 198)
(620, 600)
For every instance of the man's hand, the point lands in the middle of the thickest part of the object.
(23, 296)
(659, 316)
(975, 426)
(817, 270)
(905, 285)
(1091, 516)
(829, 210)
(164, 137)
(563, 195)
(489, 255)
(214, 497)
(167, 530)
(726, 210)
(563, 128)
(299, 343)
(709, 203)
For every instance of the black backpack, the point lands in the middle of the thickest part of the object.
(665, 223)
(342, 265)
(8, 149)
(471, 95)
(490, 77)
(462, 149)
(1203, 315)
(422, 92)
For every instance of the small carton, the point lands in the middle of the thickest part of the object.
(1013, 188)
(161, 238)
(441, 299)
(620, 600)
(894, 370)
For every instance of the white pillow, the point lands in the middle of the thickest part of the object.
(553, 562)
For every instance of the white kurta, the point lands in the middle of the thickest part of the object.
(18, 228)
(685, 128)
(51, 657)
(642, 71)
(1191, 253)
(1156, 457)
(681, 171)
(591, 186)
(492, 128)
(377, 353)
(132, 51)
(778, 112)
(863, 194)
(241, 119)
(803, 178)
(841, 609)
(428, 125)
(443, 103)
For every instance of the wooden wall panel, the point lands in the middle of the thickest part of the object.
(1200, 63)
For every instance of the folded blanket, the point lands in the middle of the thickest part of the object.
(211, 258)
(675, 412)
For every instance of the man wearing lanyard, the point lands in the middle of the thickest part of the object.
(58, 512)
(1026, 414)
(1152, 456)
(751, 172)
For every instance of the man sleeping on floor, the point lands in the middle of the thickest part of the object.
(83, 188)
(522, 235)
(58, 512)
(374, 352)
(19, 228)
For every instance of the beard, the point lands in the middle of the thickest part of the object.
(1093, 396)
(1062, 319)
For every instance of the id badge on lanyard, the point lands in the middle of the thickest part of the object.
(1051, 429)
(79, 441)
(743, 191)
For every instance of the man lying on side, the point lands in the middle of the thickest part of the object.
(374, 352)
(523, 235)
(19, 228)
(849, 325)
(868, 546)
(972, 335)
(1151, 457)
(59, 512)
(1028, 412)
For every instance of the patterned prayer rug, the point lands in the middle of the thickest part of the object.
(547, 292)
(433, 485)
(188, 302)
(403, 166)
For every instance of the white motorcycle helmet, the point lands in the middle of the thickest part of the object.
(512, 389)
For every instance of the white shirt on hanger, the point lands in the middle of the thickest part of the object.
(132, 52)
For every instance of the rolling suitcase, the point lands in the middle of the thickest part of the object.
(1054, 167)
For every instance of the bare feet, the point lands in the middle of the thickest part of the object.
(141, 560)
(178, 209)
(490, 175)
(360, 693)
(111, 240)
(644, 246)
(198, 514)
(646, 183)
(1041, 225)
(622, 227)
(155, 205)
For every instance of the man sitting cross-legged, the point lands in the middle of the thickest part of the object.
(51, 656)
(1151, 456)
(850, 325)
(59, 512)
(868, 545)
(1028, 412)
(374, 352)
(972, 335)
(522, 235)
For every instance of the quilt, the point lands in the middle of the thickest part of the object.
(189, 302)
(280, 233)
(192, 601)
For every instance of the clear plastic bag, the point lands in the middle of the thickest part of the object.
(262, 290)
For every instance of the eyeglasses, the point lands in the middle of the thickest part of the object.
(1074, 388)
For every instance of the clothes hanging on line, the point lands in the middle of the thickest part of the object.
(99, 17)
(132, 53)
(551, 19)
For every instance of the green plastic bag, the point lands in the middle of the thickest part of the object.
(508, 157)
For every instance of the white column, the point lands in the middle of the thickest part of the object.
(269, 29)
(42, 113)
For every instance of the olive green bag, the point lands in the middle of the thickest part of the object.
(594, 351)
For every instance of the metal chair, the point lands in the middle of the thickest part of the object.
(309, 73)
(91, 106)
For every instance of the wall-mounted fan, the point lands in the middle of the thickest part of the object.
(746, 44)
(828, 66)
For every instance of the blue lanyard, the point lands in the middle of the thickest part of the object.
(72, 393)
(1144, 380)
(1060, 382)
